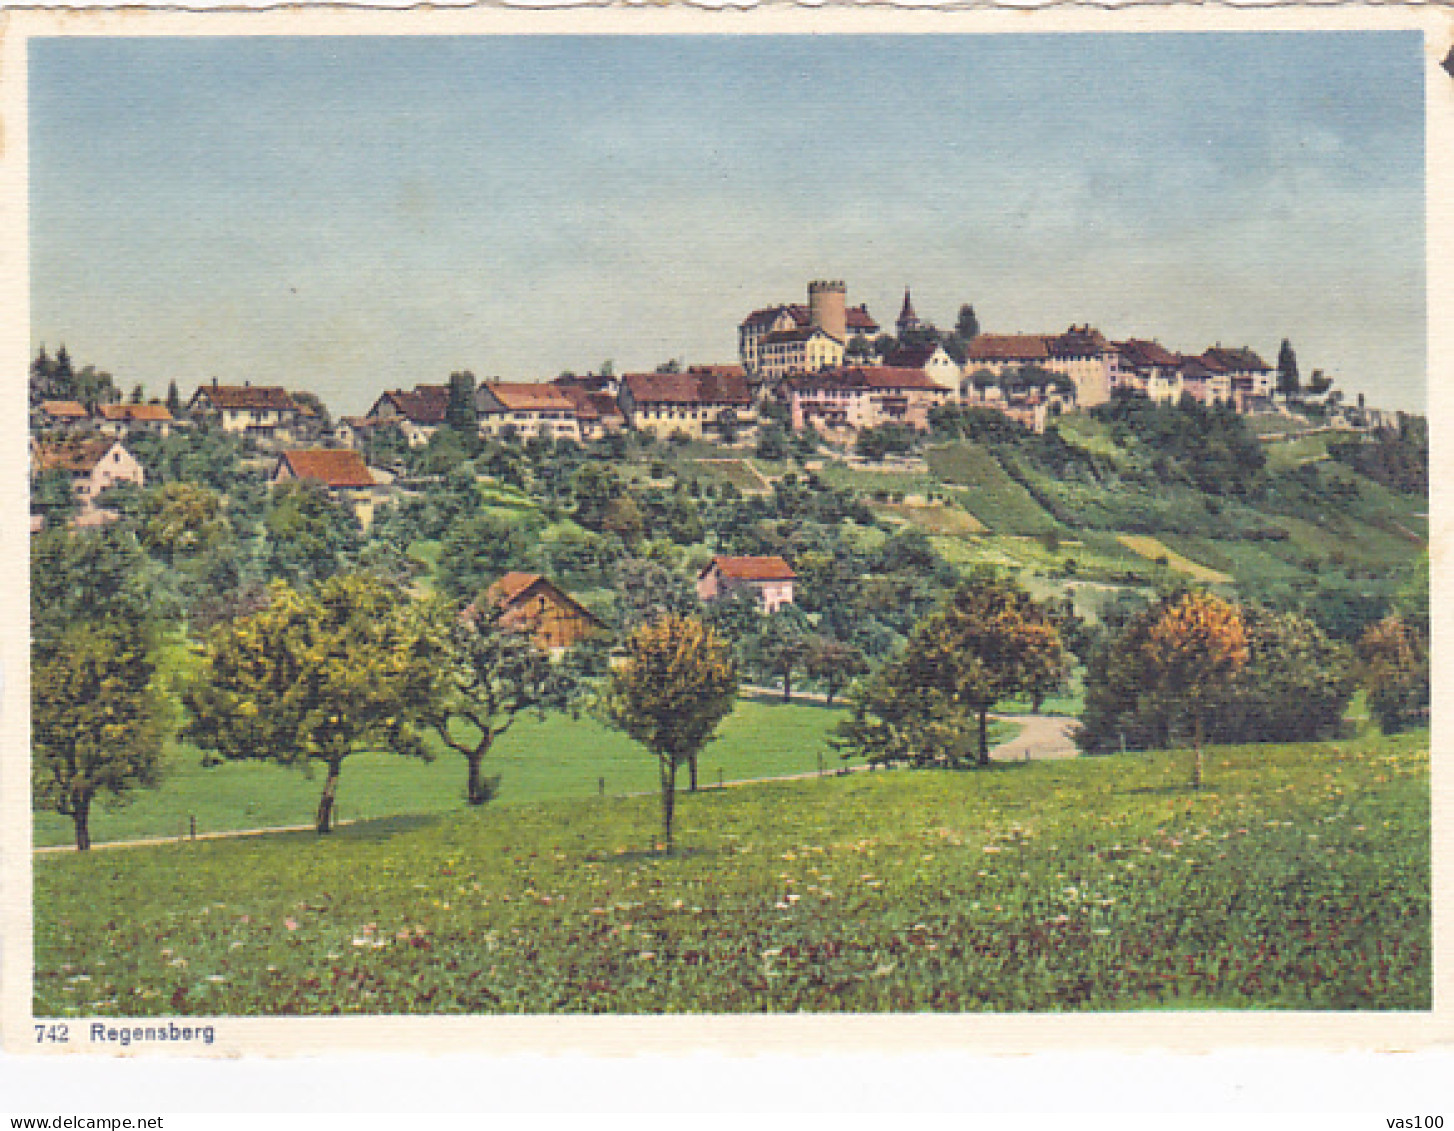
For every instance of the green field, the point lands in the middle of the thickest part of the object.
(559, 758)
(992, 496)
(1299, 879)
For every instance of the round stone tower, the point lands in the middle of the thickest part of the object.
(828, 307)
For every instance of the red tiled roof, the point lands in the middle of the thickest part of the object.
(425, 405)
(158, 412)
(861, 321)
(530, 396)
(333, 467)
(867, 377)
(1234, 360)
(256, 397)
(771, 568)
(589, 405)
(65, 410)
(1007, 347)
(911, 357)
(718, 370)
(1078, 341)
(515, 585)
(79, 456)
(1196, 369)
(687, 388)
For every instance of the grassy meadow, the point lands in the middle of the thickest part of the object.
(1298, 879)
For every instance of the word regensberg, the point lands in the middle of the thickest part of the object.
(126, 1034)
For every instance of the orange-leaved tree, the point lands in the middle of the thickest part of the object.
(1193, 649)
(676, 684)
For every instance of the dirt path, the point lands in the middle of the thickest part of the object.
(1041, 738)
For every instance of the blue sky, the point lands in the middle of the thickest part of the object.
(354, 214)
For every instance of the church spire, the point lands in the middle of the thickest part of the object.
(908, 320)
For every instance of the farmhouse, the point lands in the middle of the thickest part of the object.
(771, 578)
(127, 419)
(528, 602)
(1148, 368)
(526, 408)
(267, 413)
(93, 463)
(64, 416)
(417, 414)
(692, 403)
(343, 472)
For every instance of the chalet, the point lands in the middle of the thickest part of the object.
(864, 397)
(94, 464)
(771, 578)
(267, 413)
(417, 414)
(342, 471)
(693, 404)
(129, 419)
(526, 408)
(61, 416)
(528, 602)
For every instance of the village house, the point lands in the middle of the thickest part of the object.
(826, 310)
(1205, 384)
(864, 397)
(932, 358)
(1250, 377)
(526, 408)
(528, 602)
(129, 419)
(93, 463)
(418, 414)
(770, 578)
(693, 404)
(61, 416)
(596, 413)
(266, 413)
(1148, 368)
(342, 471)
(1081, 354)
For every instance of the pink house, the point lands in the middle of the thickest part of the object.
(770, 577)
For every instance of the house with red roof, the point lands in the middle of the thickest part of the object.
(694, 404)
(93, 463)
(60, 416)
(526, 408)
(342, 471)
(1148, 368)
(417, 413)
(129, 419)
(864, 396)
(1249, 376)
(770, 578)
(265, 413)
(528, 602)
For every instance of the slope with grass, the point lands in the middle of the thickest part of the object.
(1298, 879)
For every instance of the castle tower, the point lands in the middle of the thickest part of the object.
(908, 320)
(828, 307)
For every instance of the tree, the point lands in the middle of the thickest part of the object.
(646, 591)
(307, 535)
(496, 674)
(992, 640)
(97, 719)
(833, 663)
(1393, 664)
(180, 520)
(315, 677)
(1288, 383)
(461, 415)
(477, 551)
(174, 399)
(138, 394)
(1192, 651)
(966, 325)
(675, 686)
(782, 646)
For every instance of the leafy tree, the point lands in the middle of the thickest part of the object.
(992, 640)
(833, 663)
(180, 520)
(314, 403)
(97, 718)
(174, 399)
(624, 518)
(645, 591)
(1393, 664)
(593, 487)
(1288, 383)
(1192, 651)
(315, 677)
(782, 646)
(461, 414)
(53, 495)
(307, 535)
(477, 551)
(675, 686)
(138, 394)
(772, 443)
(966, 325)
(496, 674)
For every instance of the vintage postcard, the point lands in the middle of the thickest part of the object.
(776, 529)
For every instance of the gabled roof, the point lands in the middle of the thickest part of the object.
(771, 568)
(912, 357)
(426, 405)
(718, 370)
(1141, 354)
(156, 412)
(529, 396)
(860, 321)
(79, 456)
(255, 397)
(687, 388)
(1007, 347)
(65, 410)
(515, 588)
(590, 405)
(333, 467)
(1234, 360)
(1196, 369)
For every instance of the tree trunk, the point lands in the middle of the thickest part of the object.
(832, 691)
(787, 685)
(692, 768)
(984, 737)
(82, 820)
(474, 786)
(324, 824)
(1196, 761)
(668, 797)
